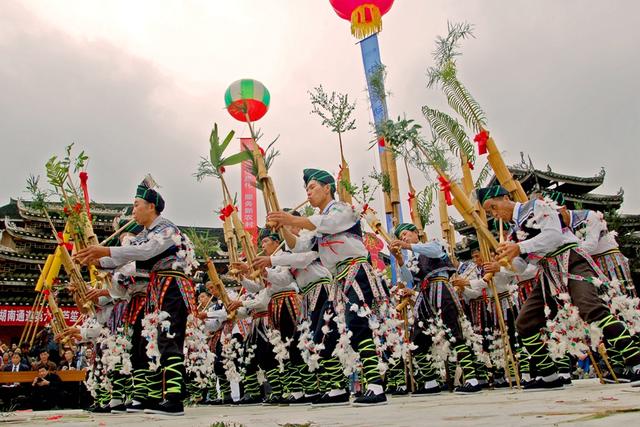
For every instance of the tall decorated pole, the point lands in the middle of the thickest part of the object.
(366, 21)
(247, 100)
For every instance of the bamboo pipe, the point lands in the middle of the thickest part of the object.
(508, 354)
(222, 291)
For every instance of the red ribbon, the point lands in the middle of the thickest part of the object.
(61, 242)
(222, 169)
(328, 244)
(481, 138)
(84, 176)
(381, 142)
(446, 187)
(365, 208)
(226, 212)
(470, 164)
(46, 292)
(411, 197)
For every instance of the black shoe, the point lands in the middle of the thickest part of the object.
(370, 399)
(542, 385)
(566, 380)
(467, 388)
(302, 400)
(166, 407)
(634, 379)
(425, 391)
(399, 391)
(273, 399)
(135, 406)
(106, 409)
(119, 409)
(502, 384)
(622, 376)
(249, 400)
(326, 400)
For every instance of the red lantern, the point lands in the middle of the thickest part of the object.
(365, 15)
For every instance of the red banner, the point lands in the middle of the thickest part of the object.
(248, 202)
(17, 315)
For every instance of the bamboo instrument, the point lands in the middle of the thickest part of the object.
(344, 176)
(403, 308)
(118, 231)
(448, 234)
(76, 280)
(268, 189)
(58, 324)
(508, 353)
(413, 207)
(219, 286)
(376, 226)
(603, 353)
(595, 366)
(503, 174)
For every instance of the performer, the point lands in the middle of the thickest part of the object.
(162, 250)
(313, 280)
(341, 250)
(566, 270)
(284, 312)
(436, 296)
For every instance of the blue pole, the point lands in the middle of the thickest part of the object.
(372, 63)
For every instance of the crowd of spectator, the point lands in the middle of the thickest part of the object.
(47, 357)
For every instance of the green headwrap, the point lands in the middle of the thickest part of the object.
(267, 232)
(323, 177)
(492, 192)
(404, 226)
(150, 195)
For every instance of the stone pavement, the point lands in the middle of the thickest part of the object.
(584, 403)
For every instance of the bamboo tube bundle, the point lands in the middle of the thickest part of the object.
(58, 324)
(413, 207)
(344, 177)
(510, 359)
(376, 225)
(503, 174)
(232, 244)
(81, 288)
(448, 233)
(217, 283)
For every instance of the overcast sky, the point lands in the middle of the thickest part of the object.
(139, 84)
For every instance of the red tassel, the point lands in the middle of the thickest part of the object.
(481, 138)
(446, 187)
(381, 142)
(84, 177)
(470, 164)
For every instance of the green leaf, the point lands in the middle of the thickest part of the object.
(226, 141)
(234, 159)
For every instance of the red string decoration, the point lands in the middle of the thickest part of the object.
(481, 138)
(446, 187)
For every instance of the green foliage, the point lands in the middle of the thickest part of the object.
(399, 132)
(365, 193)
(484, 174)
(383, 180)
(450, 131)
(426, 200)
(334, 110)
(38, 196)
(376, 81)
(270, 153)
(308, 210)
(203, 243)
(447, 48)
(213, 166)
(444, 74)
